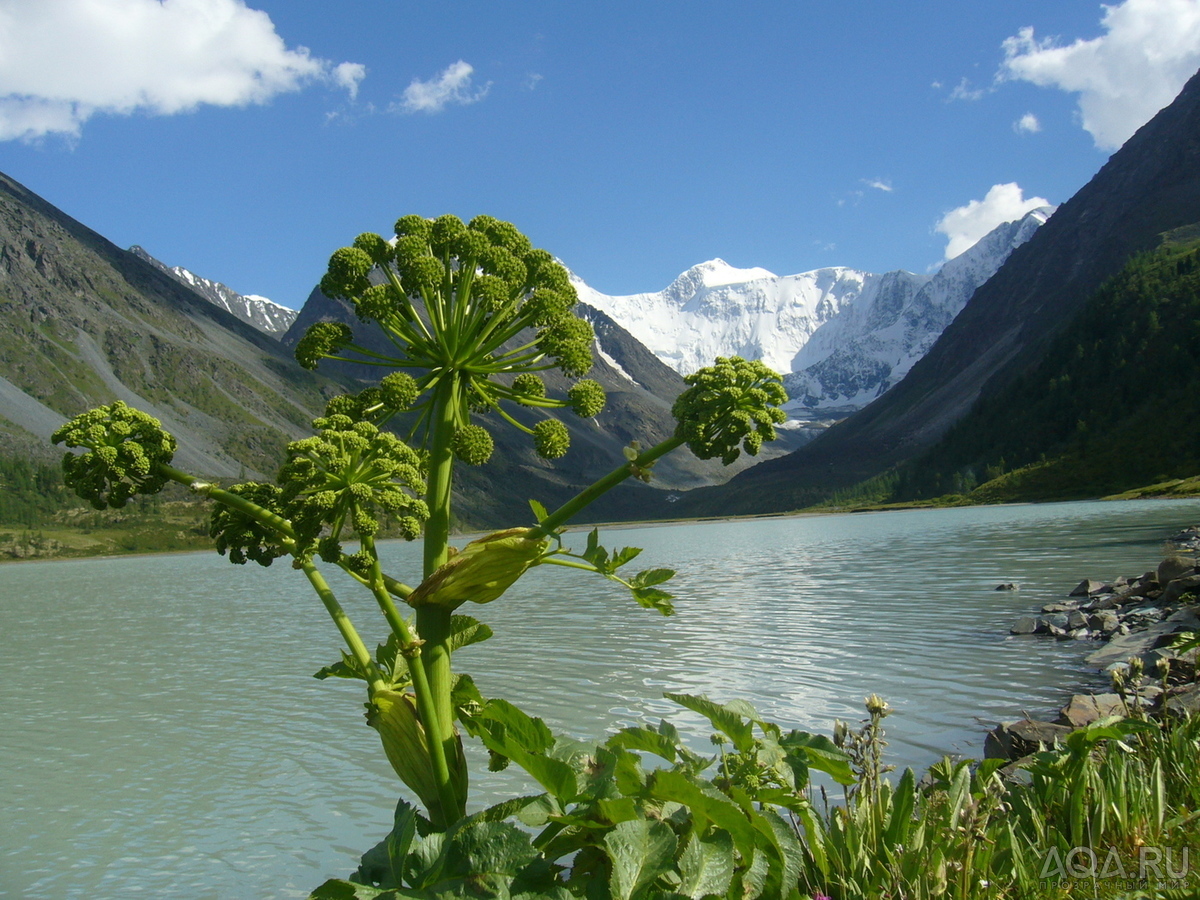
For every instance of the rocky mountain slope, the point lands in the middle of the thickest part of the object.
(842, 336)
(83, 322)
(1149, 187)
(265, 315)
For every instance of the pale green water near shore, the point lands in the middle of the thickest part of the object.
(162, 736)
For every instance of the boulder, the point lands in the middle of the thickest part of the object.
(1012, 740)
(1086, 588)
(1174, 567)
(1007, 586)
(1028, 625)
(1177, 587)
(1136, 643)
(1185, 701)
(1060, 607)
(1105, 622)
(1076, 619)
(1086, 708)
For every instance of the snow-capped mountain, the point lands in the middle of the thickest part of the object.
(871, 343)
(841, 336)
(266, 315)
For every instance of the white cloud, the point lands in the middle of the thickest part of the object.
(964, 91)
(963, 227)
(1149, 50)
(63, 61)
(880, 184)
(451, 86)
(1027, 124)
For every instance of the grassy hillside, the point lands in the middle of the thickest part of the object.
(1112, 406)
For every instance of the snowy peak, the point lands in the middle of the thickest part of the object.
(843, 336)
(265, 315)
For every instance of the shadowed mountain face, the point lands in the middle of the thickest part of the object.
(83, 322)
(1150, 186)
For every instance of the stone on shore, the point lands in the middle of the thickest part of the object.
(1122, 647)
(1174, 567)
(1087, 587)
(1012, 740)
(1084, 709)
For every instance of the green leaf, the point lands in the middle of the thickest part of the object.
(554, 775)
(347, 668)
(706, 802)
(706, 866)
(727, 719)
(339, 889)
(820, 753)
(653, 598)
(404, 829)
(519, 730)
(624, 555)
(640, 851)
(467, 630)
(646, 740)
(652, 576)
(901, 817)
(539, 511)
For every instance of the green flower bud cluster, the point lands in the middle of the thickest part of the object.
(346, 476)
(463, 303)
(733, 402)
(473, 445)
(122, 446)
(241, 535)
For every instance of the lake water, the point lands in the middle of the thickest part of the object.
(162, 735)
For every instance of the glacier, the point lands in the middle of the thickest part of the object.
(840, 336)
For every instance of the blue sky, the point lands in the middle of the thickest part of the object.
(248, 140)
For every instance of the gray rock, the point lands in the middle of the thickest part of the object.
(1107, 601)
(1086, 588)
(1136, 643)
(1027, 625)
(1184, 703)
(1177, 587)
(1060, 607)
(1086, 708)
(1076, 619)
(1105, 622)
(1174, 567)
(1008, 586)
(1012, 740)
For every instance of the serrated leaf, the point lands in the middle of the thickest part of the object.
(404, 829)
(729, 721)
(706, 803)
(706, 866)
(347, 668)
(467, 630)
(624, 555)
(640, 851)
(539, 511)
(654, 598)
(646, 740)
(820, 753)
(652, 577)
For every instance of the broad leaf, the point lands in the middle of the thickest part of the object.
(466, 630)
(727, 719)
(539, 511)
(646, 740)
(347, 668)
(652, 577)
(820, 753)
(706, 866)
(640, 851)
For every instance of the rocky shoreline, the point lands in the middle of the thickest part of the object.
(1137, 620)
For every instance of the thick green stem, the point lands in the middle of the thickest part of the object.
(607, 483)
(452, 807)
(433, 622)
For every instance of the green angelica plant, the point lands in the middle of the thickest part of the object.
(472, 316)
